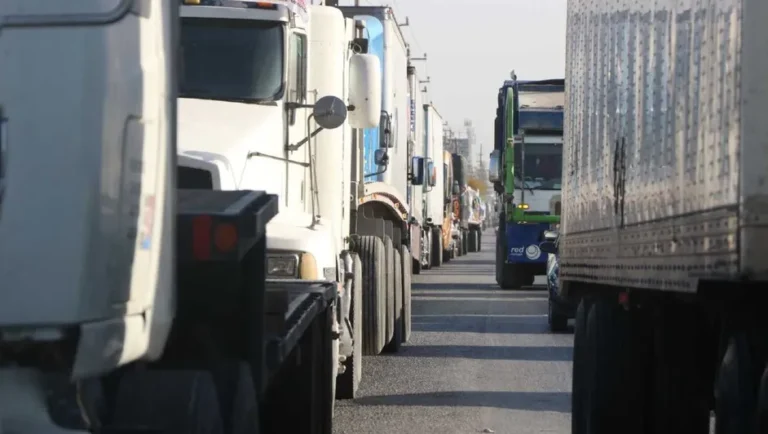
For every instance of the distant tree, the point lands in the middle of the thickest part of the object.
(478, 185)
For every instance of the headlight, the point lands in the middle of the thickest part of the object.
(290, 265)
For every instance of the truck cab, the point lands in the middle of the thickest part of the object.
(526, 168)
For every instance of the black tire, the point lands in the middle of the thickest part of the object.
(407, 281)
(168, 401)
(373, 257)
(398, 333)
(348, 382)
(479, 241)
(416, 266)
(618, 381)
(459, 249)
(558, 321)
(437, 247)
(581, 370)
(389, 249)
(736, 402)
(512, 277)
(237, 397)
(464, 241)
(762, 403)
(472, 241)
(447, 255)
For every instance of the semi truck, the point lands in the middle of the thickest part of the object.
(381, 207)
(332, 225)
(434, 205)
(144, 307)
(474, 217)
(459, 203)
(663, 234)
(525, 169)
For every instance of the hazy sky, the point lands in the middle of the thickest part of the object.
(472, 45)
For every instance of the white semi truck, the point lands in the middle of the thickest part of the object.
(663, 233)
(129, 305)
(251, 72)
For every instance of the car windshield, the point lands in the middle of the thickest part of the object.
(543, 166)
(227, 59)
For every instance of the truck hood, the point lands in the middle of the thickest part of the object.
(225, 132)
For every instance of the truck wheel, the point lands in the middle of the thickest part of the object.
(558, 322)
(581, 370)
(762, 403)
(472, 241)
(348, 382)
(513, 277)
(237, 397)
(389, 249)
(374, 259)
(479, 240)
(618, 370)
(736, 386)
(406, 295)
(681, 383)
(464, 241)
(437, 247)
(181, 401)
(393, 345)
(416, 266)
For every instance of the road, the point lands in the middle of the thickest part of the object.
(480, 359)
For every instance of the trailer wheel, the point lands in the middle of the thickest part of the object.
(682, 382)
(472, 241)
(762, 403)
(736, 387)
(437, 247)
(581, 370)
(398, 334)
(237, 397)
(373, 256)
(558, 321)
(169, 401)
(464, 242)
(389, 249)
(416, 266)
(406, 295)
(618, 371)
(348, 382)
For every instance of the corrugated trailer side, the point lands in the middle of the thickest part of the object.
(665, 201)
(666, 160)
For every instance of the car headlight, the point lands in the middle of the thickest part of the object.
(291, 265)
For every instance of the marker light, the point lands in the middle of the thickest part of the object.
(191, 2)
(523, 206)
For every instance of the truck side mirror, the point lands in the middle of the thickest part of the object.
(329, 112)
(494, 166)
(417, 168)
(432, 174)
(380, 157)
(456, 189)
(364, 91)
(385, 131)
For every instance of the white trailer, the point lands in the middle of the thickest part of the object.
(663, 233)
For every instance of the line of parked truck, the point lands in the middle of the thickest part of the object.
(211, 210)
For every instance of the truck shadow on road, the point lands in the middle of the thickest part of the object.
(481, 324)
(529, 401)
(484, 352)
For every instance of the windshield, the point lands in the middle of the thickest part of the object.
(543, 166)
(229, 59)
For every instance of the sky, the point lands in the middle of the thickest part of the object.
(473, 45)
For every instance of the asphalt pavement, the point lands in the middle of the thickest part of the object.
(480, 360)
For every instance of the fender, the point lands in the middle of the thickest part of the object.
(388, 195)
